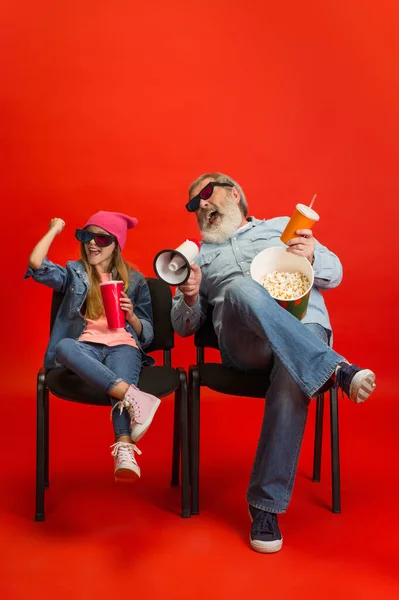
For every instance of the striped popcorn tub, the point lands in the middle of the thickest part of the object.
(287, 277)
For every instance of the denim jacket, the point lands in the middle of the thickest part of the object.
(73, 282)
(222, 263)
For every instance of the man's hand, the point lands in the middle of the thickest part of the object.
(304, 245)
(190, 289)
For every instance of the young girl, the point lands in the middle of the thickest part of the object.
(110, 359)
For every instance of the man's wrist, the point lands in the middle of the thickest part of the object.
(190, 300)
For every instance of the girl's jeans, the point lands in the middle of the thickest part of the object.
(103, 366)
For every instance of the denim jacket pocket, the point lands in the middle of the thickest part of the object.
(259, 243)
(208, 258)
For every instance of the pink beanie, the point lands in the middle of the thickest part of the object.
(115, 223)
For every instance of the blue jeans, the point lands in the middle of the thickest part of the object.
(256, 333)
(104, 367)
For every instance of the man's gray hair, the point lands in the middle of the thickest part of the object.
(222, 178)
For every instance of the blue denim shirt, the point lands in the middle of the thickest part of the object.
(73, 282)
(222, 263)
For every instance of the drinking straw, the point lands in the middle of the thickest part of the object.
(313, 199)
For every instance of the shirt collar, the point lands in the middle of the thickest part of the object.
(251, 222)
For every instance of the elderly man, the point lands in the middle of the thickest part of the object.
(254, 332)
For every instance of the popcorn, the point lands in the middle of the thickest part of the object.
(285, 286)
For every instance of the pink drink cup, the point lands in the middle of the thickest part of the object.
(111, 292)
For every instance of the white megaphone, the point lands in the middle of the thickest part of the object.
(173, 266)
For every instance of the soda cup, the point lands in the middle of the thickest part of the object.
(303, 218)
(111, 292)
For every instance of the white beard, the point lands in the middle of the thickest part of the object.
(228, 221)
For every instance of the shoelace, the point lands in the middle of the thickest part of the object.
(344, 376)
(126, 451)
(264, 523)
(131, 405)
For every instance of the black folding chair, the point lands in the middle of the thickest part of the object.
(236, 383)
(157, 380)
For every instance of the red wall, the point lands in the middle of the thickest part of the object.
(119, 105)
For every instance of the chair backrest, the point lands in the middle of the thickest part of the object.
(206, 337)
(161, 300)
(55, 306)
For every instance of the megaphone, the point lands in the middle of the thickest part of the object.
(173, 266)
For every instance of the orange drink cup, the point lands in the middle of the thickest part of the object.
(303, 218)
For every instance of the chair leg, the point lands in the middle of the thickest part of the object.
(185, 452)
(40, 446)
(335, 467)
(194, 392)
(318, 437)
(176, 439)
(46, 437)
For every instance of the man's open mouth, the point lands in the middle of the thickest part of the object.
(212, 216)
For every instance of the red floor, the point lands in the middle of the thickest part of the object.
(102, 540)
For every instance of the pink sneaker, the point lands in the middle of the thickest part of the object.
(125, 464)
(141, 408)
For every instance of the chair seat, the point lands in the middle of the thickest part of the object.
(230, 381)
(159, 381)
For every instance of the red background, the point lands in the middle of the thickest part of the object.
(121, 108)
(120, 105)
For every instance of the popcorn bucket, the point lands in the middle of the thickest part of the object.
(278, 259)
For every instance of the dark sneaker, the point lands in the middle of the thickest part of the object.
(355, 382)
(265, 535)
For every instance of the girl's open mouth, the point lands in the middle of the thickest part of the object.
(93, 252)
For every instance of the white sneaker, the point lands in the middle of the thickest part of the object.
(125, 464)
